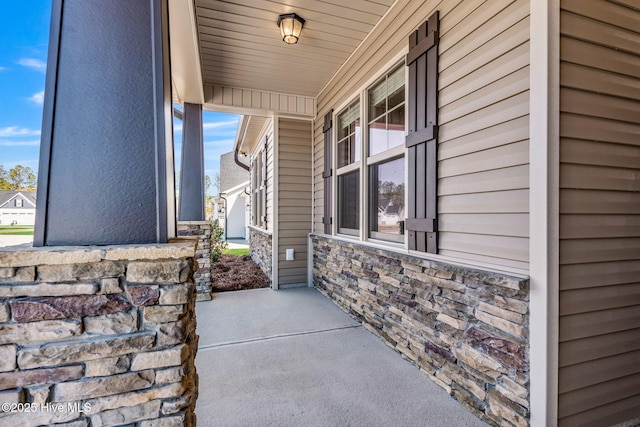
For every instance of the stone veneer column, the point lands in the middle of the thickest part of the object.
(98, 336)
(202, 230)
(261, 248)
(465, 328)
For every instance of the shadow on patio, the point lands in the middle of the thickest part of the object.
(293, 358)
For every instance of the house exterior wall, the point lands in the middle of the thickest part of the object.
(236, 214)
(466, 329)
(231, 175)
(483, 184)
(98, 335)
(294, 200)
(599, 301)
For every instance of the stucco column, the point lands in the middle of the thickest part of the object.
(106, 159)
(192, 165)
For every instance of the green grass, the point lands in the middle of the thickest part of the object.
(240, 251)
(17, 230)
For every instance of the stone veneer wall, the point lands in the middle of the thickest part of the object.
(98, 336)
(260, 244)
(466, 329)
(201, 229)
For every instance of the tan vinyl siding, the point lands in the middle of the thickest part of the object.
(599, 350)
(483, 103)
(294, 198)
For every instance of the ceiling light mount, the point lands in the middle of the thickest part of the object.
(290, 27)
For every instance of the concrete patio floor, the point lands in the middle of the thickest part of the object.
(293, 358)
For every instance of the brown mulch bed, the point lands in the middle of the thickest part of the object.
(237, 272)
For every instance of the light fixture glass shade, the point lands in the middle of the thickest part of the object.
(290, 27)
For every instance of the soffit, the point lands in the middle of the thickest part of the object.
(240, 44)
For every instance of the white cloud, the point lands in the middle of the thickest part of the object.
(3, 68)
(36, 64)
(38, 98)
(213, 125)
(17, 131)
(32, 143)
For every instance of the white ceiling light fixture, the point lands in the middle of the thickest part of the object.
(290, 27)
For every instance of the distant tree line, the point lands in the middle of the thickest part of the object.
(18, 178)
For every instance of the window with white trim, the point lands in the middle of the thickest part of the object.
(258, 189)
(385, 161)
(349, 146)
(18, 203)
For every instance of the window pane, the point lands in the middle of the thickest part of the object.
(386, 112)
(348, 201)
(349, 135)
(386, 202)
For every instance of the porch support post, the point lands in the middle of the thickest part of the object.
(192, 167)
(106, 157)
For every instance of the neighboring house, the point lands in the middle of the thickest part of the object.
(234, 186)
(17, 207)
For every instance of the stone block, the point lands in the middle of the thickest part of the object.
(110, 286)
(170, 375)
(165, 272)
(477, 360)
(7, 358)
(59, 353)
(83, 422)
(174, 421)
(48, 290)
(172, 406)
(11, 396)
(4, 313)
(172, 333)
(48, 308)
(103, 386)
(19, 275)
(160, 359)
(47, 330)
(163, 313)
(456, 323)
(111, 324)
(501, 313)
(173, 295)
(7, 272)
(39, 394)
(135, 398)
(143, 295)
(41, 418)
(503, 325)
(511, 304)
(126, 415)
(78, 272)
(49, 256)
(107, 366)
(30, 377)
(178, 248)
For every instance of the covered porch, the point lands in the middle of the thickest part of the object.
(293, 358)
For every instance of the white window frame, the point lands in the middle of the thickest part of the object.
(363, 234)
(384, 156)
(258, 188)
(352, 167)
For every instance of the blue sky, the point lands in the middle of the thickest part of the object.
(24, 34)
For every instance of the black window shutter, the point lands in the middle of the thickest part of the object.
(326, 174)
(264, 179)
(422, 138)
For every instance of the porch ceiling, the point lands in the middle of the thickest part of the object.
(240, 44)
